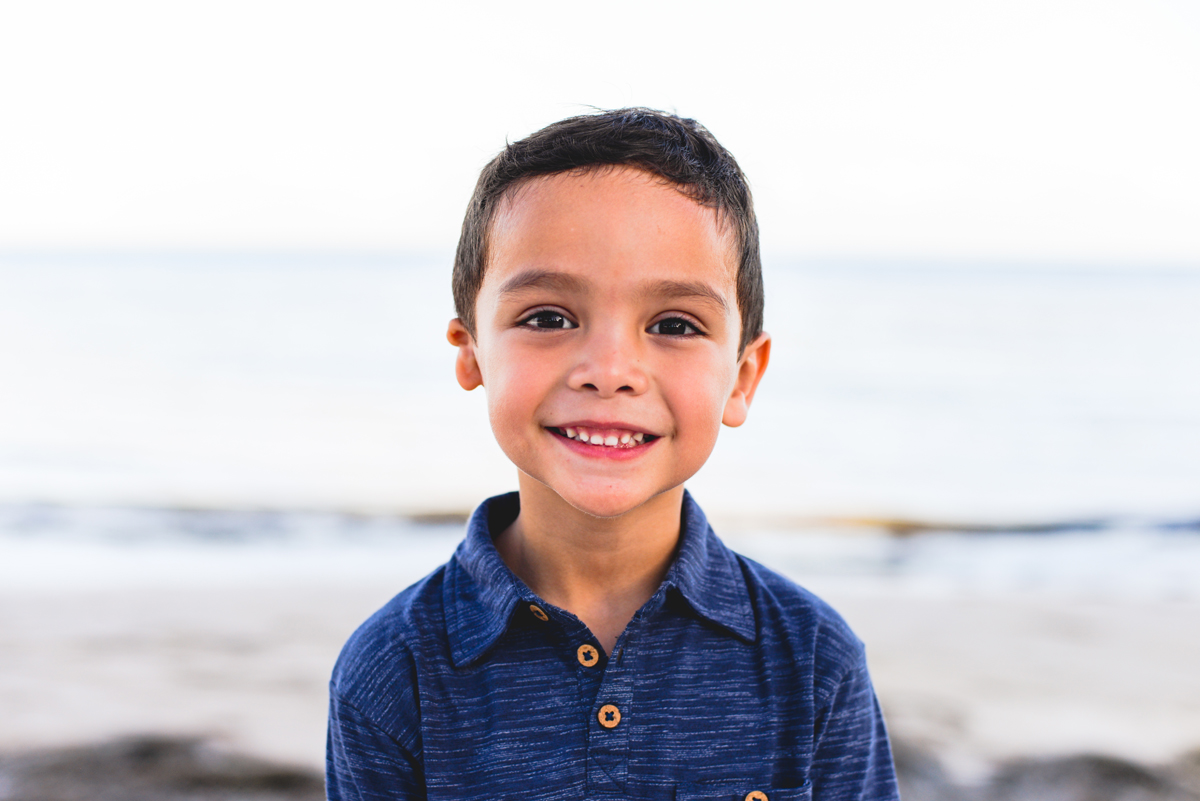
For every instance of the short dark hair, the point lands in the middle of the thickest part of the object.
(679, 150)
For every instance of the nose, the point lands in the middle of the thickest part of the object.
(610, 364)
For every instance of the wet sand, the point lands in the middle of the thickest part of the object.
(971, 686)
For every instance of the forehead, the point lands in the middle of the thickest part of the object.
(611, 224)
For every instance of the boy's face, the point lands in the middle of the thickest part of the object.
(608, 312)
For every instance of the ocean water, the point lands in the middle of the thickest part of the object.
(169, 418)
(960, 394)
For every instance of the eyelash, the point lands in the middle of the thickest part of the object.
(543, 314)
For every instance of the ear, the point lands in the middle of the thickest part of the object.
(466, 367)
(750, 371)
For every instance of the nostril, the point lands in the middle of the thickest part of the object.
(589, 386)
(625, 388)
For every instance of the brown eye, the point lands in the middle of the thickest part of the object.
(547, 320)
(674, 327)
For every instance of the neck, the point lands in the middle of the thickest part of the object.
(602, 570)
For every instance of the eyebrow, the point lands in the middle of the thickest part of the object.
(542, 279)
(687, 289)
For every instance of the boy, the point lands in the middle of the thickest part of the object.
(591, 637)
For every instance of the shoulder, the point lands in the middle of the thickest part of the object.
(791, 619)
(376, 670)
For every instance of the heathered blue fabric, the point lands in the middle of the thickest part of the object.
(730, 679)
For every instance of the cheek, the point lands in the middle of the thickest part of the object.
(514, 391)
(700, 395)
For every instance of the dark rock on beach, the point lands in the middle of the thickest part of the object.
(152, 769)
(1084, 778)
(1073, 778)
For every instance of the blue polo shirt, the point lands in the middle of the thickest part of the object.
(731, 683)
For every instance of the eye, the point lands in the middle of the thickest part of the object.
(548, 319)
(674, 327)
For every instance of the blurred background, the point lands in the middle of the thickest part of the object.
(229, 428)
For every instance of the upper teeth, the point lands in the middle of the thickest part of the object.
(608, 439)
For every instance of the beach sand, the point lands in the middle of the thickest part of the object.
(970, 682)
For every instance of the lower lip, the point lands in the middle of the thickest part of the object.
(604, 451)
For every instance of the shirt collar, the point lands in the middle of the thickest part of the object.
(481, 593)
(709, 576)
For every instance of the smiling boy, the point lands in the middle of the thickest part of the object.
(592, 637)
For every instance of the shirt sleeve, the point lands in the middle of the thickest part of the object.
(364, 763)
(852, 760)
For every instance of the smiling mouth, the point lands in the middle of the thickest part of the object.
(604, 437)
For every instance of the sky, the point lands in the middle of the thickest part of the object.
(1053, 130)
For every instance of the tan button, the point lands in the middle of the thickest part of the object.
(756, 795)
(539, 613)
(588, 655)
(609, 716)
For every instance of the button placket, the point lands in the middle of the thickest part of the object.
(610, 721)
